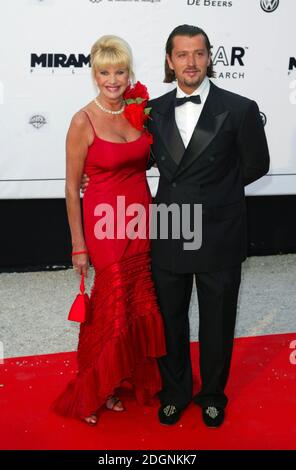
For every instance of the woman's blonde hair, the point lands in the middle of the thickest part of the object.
(111, 50)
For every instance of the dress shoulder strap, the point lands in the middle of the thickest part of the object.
(90, 121)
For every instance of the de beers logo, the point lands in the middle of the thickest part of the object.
(269, 5)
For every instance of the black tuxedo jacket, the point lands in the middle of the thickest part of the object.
(227, 151)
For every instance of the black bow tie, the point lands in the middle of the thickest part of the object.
(194, 99)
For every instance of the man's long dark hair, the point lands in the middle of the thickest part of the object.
(190, 31)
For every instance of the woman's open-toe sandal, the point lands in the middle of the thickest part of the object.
(114, 404)
(91, 420)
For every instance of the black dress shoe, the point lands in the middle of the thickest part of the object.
(169, 414)
(213, 416)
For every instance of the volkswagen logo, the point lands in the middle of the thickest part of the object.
(269, 5)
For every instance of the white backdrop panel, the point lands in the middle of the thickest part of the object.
(37, 103)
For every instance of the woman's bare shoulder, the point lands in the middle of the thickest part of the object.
(80, 126)
(79, 119)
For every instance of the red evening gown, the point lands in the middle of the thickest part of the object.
(124, 334)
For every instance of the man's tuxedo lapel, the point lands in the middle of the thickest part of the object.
(168, 130)
(211, 119)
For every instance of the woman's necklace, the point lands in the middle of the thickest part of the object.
(109, 111)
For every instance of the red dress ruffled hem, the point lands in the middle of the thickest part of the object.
(119, 342)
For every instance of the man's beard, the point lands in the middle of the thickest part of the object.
(194, 84)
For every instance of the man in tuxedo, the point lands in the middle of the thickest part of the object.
(208, 144)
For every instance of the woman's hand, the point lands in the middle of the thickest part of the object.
(81, 263)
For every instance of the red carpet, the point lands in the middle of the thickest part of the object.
(261, 412)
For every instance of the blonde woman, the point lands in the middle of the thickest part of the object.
(123, 335)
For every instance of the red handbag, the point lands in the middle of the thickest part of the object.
(80, 307)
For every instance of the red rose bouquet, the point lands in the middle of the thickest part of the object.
(135, 111)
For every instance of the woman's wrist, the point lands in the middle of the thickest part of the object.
(80, 252)
(79, 248)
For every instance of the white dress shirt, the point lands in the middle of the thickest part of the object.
(187, 115)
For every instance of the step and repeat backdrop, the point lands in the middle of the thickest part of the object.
(45, 75)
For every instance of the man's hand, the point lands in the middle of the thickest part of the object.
(84, 182)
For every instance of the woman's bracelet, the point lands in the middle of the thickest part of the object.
(79, 252)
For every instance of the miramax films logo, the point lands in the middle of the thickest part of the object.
(269, 6)
(52, 62)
